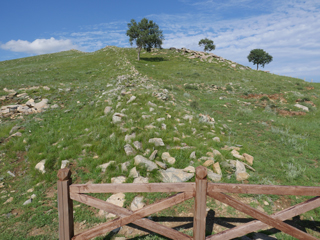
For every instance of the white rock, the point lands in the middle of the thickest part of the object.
(124, 166)
(134, 173)
(116, 199)
(241, 173)
(161, 119)
(105, 165)
(161, 164)
(141, 180)
(42, 105)
(137, 145)
(64, 163)
(137, 203)
(157, 141)
(163, 126)
(128, 138)
(175, 175)
(131, 99)
(304, 108)
(166, 157)
(193, 155)
(190, 169)
(142, 160)
(117, 117)
(153, 155)
(118, 180)
(107, 110)
(213, 176)
(129, 150)
(216, 139)
(40, 166)
(151, 104)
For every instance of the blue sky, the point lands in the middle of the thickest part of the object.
(287, 30)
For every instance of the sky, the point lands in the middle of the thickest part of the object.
(289, 30)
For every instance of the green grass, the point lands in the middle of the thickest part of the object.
(244, 103)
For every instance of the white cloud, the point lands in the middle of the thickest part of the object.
(38, 46)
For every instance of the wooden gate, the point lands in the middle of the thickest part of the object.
(199, 190)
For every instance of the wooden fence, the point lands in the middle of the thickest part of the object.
(67, 192)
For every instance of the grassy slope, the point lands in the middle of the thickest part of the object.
(285, 148)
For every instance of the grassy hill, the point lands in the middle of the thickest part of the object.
(252, 110)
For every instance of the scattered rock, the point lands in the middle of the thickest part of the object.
(107, 110)
(116, 199)
(64, 163)
(138, 145)
(216, 153)
(163, 126)
(118, 180)
(124, 166)
(241, 173)
(206, 119)
(137, 203)
(157, 141)
(175, 175)
(142, 160)
(151, 104)
(117, 117)
(236, 154)
(216, 139)
(190, 169)
(208, 163)
(166, 157)
(128, 138)
(153, 155)
(141, 180)
(213, 176)
(161, 164)
(41, 166)
(11, 174)
(129, 150)
(28, 201)
(131, 99)
(8, 200)
(217, 169)
(304, 108)
(193, 155)
(248, 158)
(134, 173)
(105, 165)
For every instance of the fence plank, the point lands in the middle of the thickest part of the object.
(200, 205)
(278, 224)
(65, 205)
(257, 225)
(132, 187)
(127, 216)
(264, 189)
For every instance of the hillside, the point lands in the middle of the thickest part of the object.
(174, 109)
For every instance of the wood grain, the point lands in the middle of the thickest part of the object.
(276, 223)
(257, 225)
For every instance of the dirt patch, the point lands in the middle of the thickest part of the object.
(309, 102)
(51, 192)
(273, 97)
(38, 231)
(290, 113)
(17, 212)
(309, 88)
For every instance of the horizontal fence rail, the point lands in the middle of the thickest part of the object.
(199, 190)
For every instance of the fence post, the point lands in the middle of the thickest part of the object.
(65, 205)
(199, 218)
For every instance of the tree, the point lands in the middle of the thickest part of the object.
(259, 56)
(146, 34)
(208, 44)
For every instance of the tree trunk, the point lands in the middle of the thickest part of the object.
(139, 50)
(257, 66)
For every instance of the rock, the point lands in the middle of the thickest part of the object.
(216, 139)
(14, 129)
(41, 166)
(241, 173)
(42, 105)
(210, 154)
(142, 160)
(190, 169)
(137, 145)
(151, 104)
(17, 134)
(117, 117)
(236, 154)
(175, 175)
(304, 108)
(216, 153)
(33, 196)
(107, 110)
(213, 176)
(161, 164)
(54, 106)
(137, 203)
(208, 163)
(46, 88)
(30, 103)
(248, 158)
(163, 126)
(157, 141)
(166, 157)
(118, 180)
(153, 155)
(175, 139)
(116, 199)
(141, 180)
(128, 138)
(28, 201)
(193, 155)
(129, 150)
(11, 174)
(8, 200)
(134, 173)
(227, 148)
(150, 126)
(105, 165)
(206, 119)
(161, 119)
(64, 163)
(124, 166)
(146, 116)
(188, 117)
(217, 169)
(131, 99)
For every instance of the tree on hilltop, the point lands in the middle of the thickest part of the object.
(259, 57)
(146, 34)
(207, 44)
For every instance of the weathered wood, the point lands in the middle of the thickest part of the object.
(132, 187)
(264, 189)
(128, 216)
(65, 205)
(278, 224)
(200, 205)
(257, 225)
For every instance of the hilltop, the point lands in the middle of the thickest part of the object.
(111, 118)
